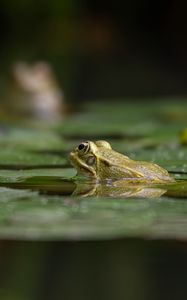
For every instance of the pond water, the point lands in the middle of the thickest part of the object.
(41, 199)
(60, 229)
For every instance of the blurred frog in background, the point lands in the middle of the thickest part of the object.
(35, 92)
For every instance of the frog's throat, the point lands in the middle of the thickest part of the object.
(82, 168)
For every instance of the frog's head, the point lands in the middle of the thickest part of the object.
(87, 156)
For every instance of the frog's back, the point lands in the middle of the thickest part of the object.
(152, 171)
(134, 169)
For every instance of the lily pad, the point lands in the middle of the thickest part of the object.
(7, 176)
(30, 139)
(28, 215)
(41, 203)
(9, 156)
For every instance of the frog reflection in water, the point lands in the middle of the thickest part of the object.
(99, 162)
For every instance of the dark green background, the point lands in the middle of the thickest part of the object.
(119, 269)
(100, 49)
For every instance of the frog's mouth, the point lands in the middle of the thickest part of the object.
(81, 166)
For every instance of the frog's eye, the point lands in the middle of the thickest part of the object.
(90, 160)
(83, 147)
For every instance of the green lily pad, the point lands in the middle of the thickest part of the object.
(20, 158)
(8, 176)
(30, 139)
(27, 215)
(38, 203)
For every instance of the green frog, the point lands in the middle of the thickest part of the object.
(98, 161)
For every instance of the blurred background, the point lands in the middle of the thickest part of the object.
(100, 49)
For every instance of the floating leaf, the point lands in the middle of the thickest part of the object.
(39, 203)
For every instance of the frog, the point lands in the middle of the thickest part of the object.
(98, 161)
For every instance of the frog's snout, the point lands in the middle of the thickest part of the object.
(71, 156)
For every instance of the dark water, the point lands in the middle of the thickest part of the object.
(44, 184)
(117, 269)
